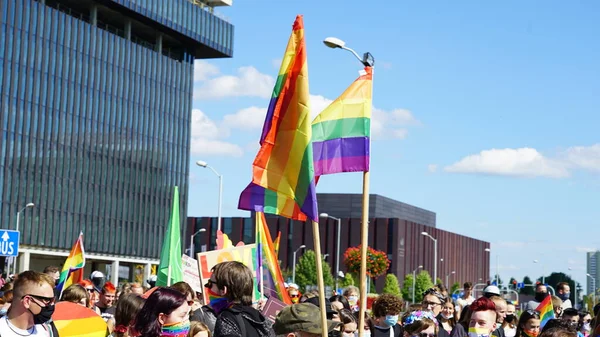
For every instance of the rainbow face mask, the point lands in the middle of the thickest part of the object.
(180, 329)
(478, 332)
(216, 301)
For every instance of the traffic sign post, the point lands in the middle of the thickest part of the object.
(9, 243)
(520, 285)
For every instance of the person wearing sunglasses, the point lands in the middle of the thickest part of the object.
(420, 324)
(32, 307)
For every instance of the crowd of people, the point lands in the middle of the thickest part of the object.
(28, 302)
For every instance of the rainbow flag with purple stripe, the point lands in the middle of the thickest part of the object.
(341, 133)
(546, 310)
(283, 175)
(272, 279)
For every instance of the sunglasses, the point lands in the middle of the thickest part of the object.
(295, 296)
(44, 300)
(89, 290)
(433, 304)
(210, 283)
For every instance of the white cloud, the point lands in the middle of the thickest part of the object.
(522, 162)
(276, 63)
(204, 70)
(207, 135)
(391, 124)
(585, 157)
(318, 103)
(432, 168)
(248, 82)
(248, 118)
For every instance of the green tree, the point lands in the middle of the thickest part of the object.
(500, 282)
(422, 283)
(306, 271)
(391, 285)
(348, 280)
(512, 283)
(454, 288)
(528, 290)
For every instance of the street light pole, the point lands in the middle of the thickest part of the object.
(205, 165)
(543, 272)
(453, 272)
(337, 260)
(574, 289)
(435, 259)
(18, 243)
(593, 287)
(192, 241)
(294, 265)
(415, 283)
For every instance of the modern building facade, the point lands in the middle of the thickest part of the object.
(401, 239)
(95, 100)
(593, 262)
(345, 205)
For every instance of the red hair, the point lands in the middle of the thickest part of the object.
(86, 283)
(482, 304)
(108, 288)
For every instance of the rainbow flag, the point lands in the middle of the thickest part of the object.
(341, 132)
(276, 243)
(546, 310)
(272, 279)
(283, 177)
(72, 271)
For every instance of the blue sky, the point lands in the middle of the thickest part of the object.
(485, 113)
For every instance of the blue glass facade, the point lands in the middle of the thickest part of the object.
(94, 129)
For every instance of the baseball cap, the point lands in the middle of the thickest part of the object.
(96, 274)
(304, 317)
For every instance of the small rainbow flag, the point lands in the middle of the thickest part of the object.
(341, 132)
(72, 271)
(546, 310)
(272, 280)
(283, 175)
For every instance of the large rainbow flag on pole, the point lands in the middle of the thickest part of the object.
(283, 177)
(341, 132)
(546, 310)
(72, 271)
(271, 280)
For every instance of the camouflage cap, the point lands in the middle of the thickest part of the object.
(304, 317)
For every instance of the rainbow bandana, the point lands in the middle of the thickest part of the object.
(180, 329)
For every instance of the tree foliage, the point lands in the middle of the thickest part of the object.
(422, 283)
(454, 288)
(306, 271)
(348, 280)
(527, 290)
(391, 285)
(555, 278)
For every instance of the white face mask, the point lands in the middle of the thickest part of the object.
(366, 333)
(447, 317)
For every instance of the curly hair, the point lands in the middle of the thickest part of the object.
(387, 304)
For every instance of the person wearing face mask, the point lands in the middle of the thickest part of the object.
(420, 324)
(446, 316)
(585, 327)
(541, 291)
(32, 307)
(164, 314)
(510, 321)
(351, 293)
(386, 309)
(483, 318)
(529, 324)
(350, 327)
(563, 291)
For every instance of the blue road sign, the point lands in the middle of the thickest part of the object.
(9, 243)
(520, 285)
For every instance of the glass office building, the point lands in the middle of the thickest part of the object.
(95, 124)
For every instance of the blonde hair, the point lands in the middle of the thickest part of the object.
(29, 278)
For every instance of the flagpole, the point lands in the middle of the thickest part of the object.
(364, 234)
(169, 276)
(260, 256)
(320, 283)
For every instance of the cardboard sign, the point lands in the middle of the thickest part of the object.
(190, 273)
(245, 254)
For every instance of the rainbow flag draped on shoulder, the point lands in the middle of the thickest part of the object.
(72, 271)
(341, 133)
(546, 310)
(283, 177)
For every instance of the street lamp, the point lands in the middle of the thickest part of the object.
(337, 260)
(452, 273)
(575, 290)
(543, 276)
(325, 257)
(435, 259)
(593, 287)
(192, 241)
(497, 267)
(29, 205)
(333, 42)
(415, 282)
(205, 165)
(294, 265)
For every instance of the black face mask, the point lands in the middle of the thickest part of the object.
(44, 316)
(540, 296)
(335, 333)
(509, 318)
